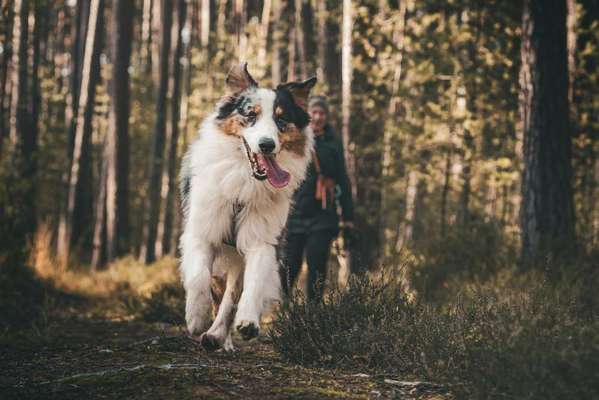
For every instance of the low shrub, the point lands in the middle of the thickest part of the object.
(527, 345)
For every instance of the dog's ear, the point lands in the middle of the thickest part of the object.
(239, 79)
(300, 91)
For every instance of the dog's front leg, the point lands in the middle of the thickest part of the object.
(261, 284)
(196, 267)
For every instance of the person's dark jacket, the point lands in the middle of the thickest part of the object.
(307, 213)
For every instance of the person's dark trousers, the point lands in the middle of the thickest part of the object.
(317, 246)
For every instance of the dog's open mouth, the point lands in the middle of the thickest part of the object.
(266, 167)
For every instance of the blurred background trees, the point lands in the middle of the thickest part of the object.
(461, 119)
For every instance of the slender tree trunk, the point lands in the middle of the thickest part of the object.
(146, 36)
(571, 25)
(72, 226)
(398, 39)
(165, 222)
(445, 190)
(18, 107)
(240, 17)
(406, 233)
(4, 69)
(321, 17)
(264, 24)
(547, 216)
(117, 169)
(291, 48)
(99, 240)
(221, 31)
(152, 209)
(277, 40)
(346, 77)
(205, 24)
(299, 36)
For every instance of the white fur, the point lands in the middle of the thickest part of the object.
(221, 178)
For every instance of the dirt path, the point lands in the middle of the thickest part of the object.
(83, 355)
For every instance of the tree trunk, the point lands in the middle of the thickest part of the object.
(321, 17)
(205, 25)
(165, 224)
(240, 17)
(146, 36)
(152, 208)
(571, 25)
(547, 216)
(406, 233)
(264, 24)
(445, 190)
(299, 36)
(346, 77)
(117, 170)
(398, 39)
(18, 107)
(4, 69)
(277, 40)
(78, 198)
(99, 241)
(291, 48)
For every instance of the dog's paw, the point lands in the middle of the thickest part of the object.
(209, 342)
(228, 346)
(197, 317)
(247, 329)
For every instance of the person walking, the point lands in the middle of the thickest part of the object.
(313, 221)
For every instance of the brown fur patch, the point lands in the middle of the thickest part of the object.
(292, 139)
(218, 285)
(231, 125)
(279, 111)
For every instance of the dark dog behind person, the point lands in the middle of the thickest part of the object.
(313, 222)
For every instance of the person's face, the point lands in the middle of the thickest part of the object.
(318, 119)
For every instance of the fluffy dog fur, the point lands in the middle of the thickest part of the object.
(230, 196)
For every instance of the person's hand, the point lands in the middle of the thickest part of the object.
(346, 224)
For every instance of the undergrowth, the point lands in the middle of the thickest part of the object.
(542, 343)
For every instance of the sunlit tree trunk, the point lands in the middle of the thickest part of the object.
(299, 36)
(205, 24)
(547, 215)
(117, 170)
(18, 104)
(291, 47)
(277, 39)
(152, 207)
(571, 24)
(263, 36)
(73, 224)
(165, 223)
(146, 36)
(445, 190)
(99, 239)
(346, 77)
(240, 18)
(321, 43)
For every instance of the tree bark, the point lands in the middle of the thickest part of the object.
(321, 17)
(205, 24)
(8, 22)
(547, 215)
(117, 169)
(277, 39)
(146, 36)
(264, 24)
(299, 36)
(18, 106)
(152, 208)
(346, 77)
(74, 223)
(165, 224)
(291, 48)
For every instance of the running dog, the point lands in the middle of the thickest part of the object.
(237, 180)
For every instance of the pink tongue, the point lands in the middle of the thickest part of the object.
(275, 175)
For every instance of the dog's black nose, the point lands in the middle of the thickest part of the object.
(267, 145)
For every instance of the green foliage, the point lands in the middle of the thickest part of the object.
(526, 345)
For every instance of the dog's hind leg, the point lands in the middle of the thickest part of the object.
(196, 270)
(219, 333)
(261, 284)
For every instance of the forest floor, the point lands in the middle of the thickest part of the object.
(95, 347)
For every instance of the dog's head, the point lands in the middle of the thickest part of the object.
(268, 121)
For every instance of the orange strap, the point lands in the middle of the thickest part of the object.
(325, 186)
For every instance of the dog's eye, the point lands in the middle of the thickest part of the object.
(281, 124)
